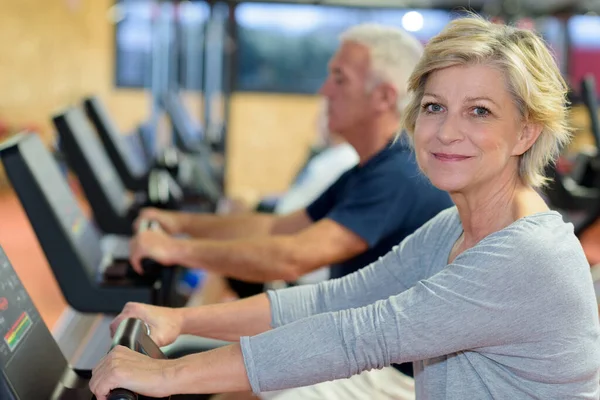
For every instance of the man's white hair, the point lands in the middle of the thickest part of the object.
(394, 54)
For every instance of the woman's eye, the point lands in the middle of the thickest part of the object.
(481, 112)
(433, 108)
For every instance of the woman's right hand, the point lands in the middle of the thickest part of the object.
(168, 220)
(165, 323)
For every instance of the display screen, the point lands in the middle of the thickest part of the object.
(17, 312)
(57, 193)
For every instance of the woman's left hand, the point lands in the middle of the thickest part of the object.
(123, 368)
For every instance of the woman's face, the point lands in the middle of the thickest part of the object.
(469, 132)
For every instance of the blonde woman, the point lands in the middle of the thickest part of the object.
(492, 298)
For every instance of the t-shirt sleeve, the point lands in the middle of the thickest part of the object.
(493, 294)
(372, 205)
(324, 203)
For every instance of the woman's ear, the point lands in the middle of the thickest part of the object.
(530, 132)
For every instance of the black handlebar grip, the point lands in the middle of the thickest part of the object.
(151, 268)
(133, 334)
(122, 394)
(588, 93)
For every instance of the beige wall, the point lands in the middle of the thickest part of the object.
(56, 51)
(581, 123)
(269, 136)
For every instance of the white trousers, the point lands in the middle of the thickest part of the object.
(378, 384)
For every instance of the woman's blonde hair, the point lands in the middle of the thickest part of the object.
(532, 77)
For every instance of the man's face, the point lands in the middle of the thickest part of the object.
(349, 104)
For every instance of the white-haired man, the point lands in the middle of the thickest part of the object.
(372, 207)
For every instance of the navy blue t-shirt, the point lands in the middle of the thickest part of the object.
(382, 201)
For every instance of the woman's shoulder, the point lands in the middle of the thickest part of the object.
(541, 238)
(539, 229)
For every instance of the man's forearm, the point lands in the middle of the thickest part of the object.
(251, 260)
(228, 321)
(225, 226)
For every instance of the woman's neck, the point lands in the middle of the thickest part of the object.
(486, 210)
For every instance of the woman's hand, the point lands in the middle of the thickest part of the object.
(165, 323)
(123, 368)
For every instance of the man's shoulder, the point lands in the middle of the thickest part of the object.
(391, 164)
(396, 161)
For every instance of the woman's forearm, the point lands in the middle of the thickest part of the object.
(228, 321)
(220, 370)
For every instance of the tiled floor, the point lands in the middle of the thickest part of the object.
(22, 248)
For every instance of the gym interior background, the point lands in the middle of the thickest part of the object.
(55, 52)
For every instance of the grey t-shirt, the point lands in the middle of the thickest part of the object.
(513, 317)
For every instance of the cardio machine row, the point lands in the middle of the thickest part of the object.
(89, 255)
(32, 366)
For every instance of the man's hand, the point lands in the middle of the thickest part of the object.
(165, 323)
(155, 245)
(126, 369)
(169, 221)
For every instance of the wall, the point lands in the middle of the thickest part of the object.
(269, 138)
(56, 51)
(580, 121)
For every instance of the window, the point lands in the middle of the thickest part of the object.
(286, 47)
(163, 38)
(192, 25)
(553, 32)
(133, 39)
(584, 54)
